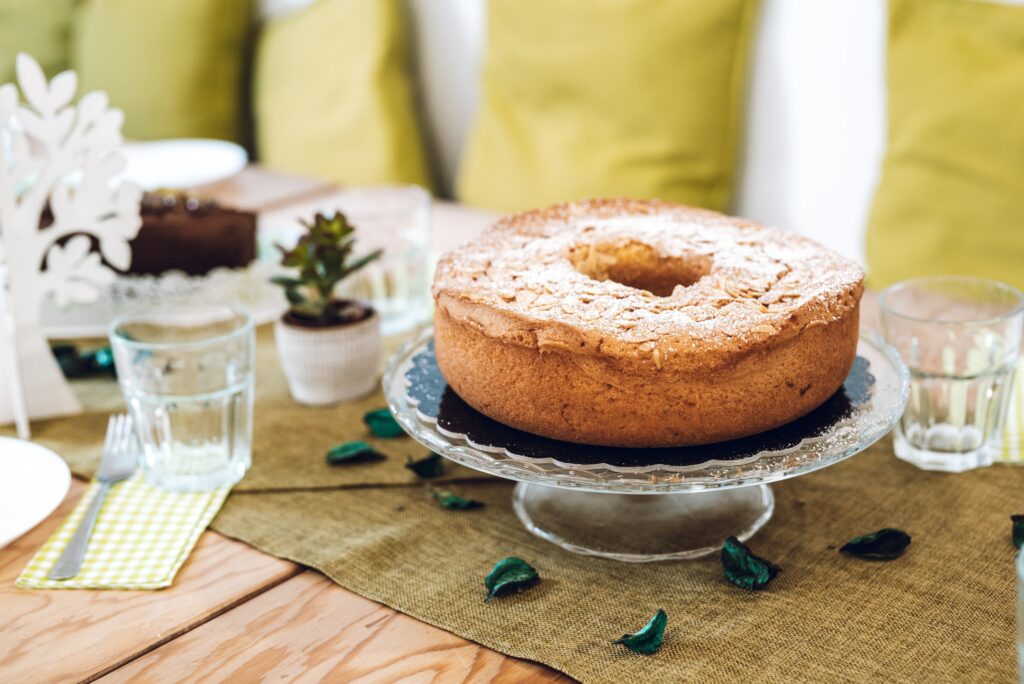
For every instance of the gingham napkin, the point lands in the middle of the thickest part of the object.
(142, 536)
(1013, 435)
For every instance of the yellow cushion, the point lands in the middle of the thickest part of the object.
(609, 97)
(174, 66)
(332, 95)
(39, 27)
(951, 196)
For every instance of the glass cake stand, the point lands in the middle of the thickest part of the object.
(643, 505)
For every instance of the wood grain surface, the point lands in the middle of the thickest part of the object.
(70, 635)
(308, 629)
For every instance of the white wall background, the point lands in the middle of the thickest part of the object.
(815, 132)
(449, 42)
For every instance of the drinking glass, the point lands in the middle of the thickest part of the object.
(396, 219)
(960, 337)
(187, 377)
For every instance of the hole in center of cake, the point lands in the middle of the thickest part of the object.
(638, 265)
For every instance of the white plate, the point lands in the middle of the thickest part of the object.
(181, 163)
(33, 482)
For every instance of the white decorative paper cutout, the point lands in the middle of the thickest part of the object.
(62, 155)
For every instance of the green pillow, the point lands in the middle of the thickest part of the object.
(333, 97)
(39, 27)
(951, 195)
(174, 66)
(609, 97)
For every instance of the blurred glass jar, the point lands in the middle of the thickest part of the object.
(396, 219)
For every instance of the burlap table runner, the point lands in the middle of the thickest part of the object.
(289, 440)
(943, 612)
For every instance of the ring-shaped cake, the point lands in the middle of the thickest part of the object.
(644, 324)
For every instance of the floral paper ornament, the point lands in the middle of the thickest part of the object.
(63, 157)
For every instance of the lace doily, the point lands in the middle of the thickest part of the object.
(249, 288)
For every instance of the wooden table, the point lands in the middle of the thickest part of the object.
(234, 613)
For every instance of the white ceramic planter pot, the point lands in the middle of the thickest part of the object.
(329, 365)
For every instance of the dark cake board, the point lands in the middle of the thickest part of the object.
(437, 403)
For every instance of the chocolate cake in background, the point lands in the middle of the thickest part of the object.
(182, 232)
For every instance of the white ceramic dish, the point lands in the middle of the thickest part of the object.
(181, 163)
(33, 482)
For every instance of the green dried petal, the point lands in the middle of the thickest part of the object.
(383, 424)
(508, 576)
(102, 358)
(1018, 530)
(884, 544)
(454, 501)
(78, 364)
(745, 570)
(69, 360)
(426, 467)
(350, 452)
(647, 640)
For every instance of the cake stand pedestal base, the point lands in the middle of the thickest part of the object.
(645, 505)
(642, 528)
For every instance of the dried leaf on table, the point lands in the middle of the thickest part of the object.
(648, 639)
(510, 575)
(454, 501)
(426, 467)
(1018, 530)
(351, 452)
(77, 364)
(744, 569)
(382, 424)
(884, 544)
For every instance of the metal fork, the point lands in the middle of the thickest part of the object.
(117, 463)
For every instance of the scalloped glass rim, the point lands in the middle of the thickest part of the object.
(866, 426)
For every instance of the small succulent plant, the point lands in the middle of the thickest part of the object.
(322, 257)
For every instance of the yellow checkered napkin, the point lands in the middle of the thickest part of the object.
(143, 535)
(1013, 431)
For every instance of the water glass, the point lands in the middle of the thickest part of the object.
(187, 377)
(395, 219)
(960, 338)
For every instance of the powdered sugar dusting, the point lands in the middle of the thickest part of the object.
(554, 272)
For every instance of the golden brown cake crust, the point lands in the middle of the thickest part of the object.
(643, 323)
